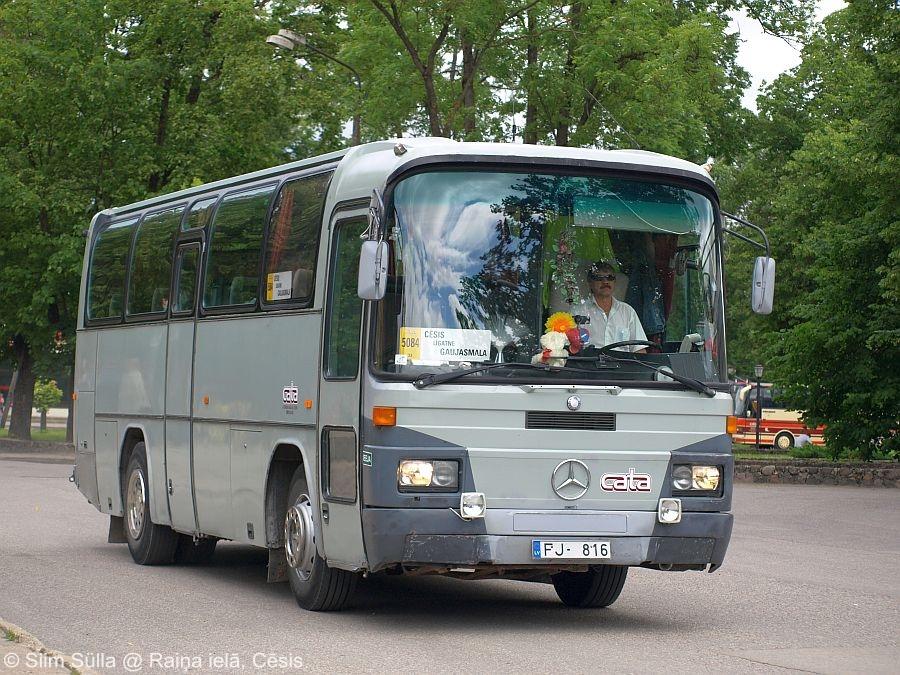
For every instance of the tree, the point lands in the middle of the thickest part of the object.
(46, 395)
(104, 103)
(821, 172)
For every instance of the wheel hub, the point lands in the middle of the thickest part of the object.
(299, 537)
(135, 501)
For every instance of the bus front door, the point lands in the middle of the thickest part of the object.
(338, 432)
(179, 383)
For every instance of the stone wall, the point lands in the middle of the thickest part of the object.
(817, 472)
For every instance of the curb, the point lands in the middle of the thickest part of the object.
(31, 643)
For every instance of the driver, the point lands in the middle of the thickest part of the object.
(610, 319)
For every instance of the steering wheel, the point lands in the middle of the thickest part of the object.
(614, 346)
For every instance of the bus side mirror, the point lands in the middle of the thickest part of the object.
(763, 293)
(373, 262)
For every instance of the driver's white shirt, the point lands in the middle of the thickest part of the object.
(621, 324)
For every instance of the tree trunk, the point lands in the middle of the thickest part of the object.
(468, 88)
(564, 124)
(43, 420)
(20, 420)
(530, 135)
(70, 420)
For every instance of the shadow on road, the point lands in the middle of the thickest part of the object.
(423, 603)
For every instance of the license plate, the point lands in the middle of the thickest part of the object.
(544, 549)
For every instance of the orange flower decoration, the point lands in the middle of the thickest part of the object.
(560, 322)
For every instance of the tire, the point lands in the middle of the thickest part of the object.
(190, 552)
(598, 587)
(149, 543)
(784, 440)
(315, 586)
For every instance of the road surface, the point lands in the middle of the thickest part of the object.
(810, 583)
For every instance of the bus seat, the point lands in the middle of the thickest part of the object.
(115, 304)
(156, 304)
(243, 290)
(302, 283)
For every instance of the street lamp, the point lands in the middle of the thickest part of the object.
(758, 371)
(288, 39)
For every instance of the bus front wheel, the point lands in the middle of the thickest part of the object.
(149, 543)
(315, 586)
(598, 587)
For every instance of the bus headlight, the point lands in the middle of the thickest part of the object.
(689, 477)
(681, 477)
(428, 474)
(706, 478)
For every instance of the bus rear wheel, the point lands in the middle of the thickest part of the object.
(315, 586)
(149, 543)
(784, 440)
(598, 587)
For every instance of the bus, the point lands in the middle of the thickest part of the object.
(779, 427)
(416, 356)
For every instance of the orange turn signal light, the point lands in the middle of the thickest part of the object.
(731, 425)
(383, 416)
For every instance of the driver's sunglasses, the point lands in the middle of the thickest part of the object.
(603, 277)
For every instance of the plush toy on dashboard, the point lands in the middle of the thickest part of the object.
(561, 339)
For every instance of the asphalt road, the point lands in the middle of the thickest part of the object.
(810, 583)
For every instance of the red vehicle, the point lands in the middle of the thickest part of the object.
(779, 428)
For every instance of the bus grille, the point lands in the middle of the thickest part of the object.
(589, 421)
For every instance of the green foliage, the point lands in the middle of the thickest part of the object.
(821, 175)
(811, 451)
(46, 395)
(105, 103)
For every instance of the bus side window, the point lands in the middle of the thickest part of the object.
(151, 262)
(200, 214)
(106, 275)
(186, 265)
(232, 264)
(344, 312)
(293, 240)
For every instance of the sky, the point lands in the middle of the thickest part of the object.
(764, 56)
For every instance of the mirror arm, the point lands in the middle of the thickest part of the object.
(746, 223)
(376, 211)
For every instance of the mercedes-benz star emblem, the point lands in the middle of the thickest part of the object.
(573, 403)
(570, 479)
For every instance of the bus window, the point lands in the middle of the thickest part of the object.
(106, 276)
(232, 266)
(151, 263)
(294, 239)
(186, 264)
(342, 330)
(200, 214)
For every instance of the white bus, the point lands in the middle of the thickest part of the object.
(422, 356)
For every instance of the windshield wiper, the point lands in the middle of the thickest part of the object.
(689, 382)
(428, 379)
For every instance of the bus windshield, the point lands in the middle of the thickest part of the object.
(484, 264)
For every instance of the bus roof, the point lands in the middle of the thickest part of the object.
(365, 166)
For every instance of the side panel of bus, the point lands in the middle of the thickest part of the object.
(242, 365)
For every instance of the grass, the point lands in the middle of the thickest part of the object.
(10, 635)
(55, 435)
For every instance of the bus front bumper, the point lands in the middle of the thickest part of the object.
(438, 537)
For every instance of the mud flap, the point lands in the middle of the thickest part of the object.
(116, 530)
(278, 566)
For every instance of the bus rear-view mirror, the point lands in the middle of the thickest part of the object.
(373, 266)
(763, 292)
